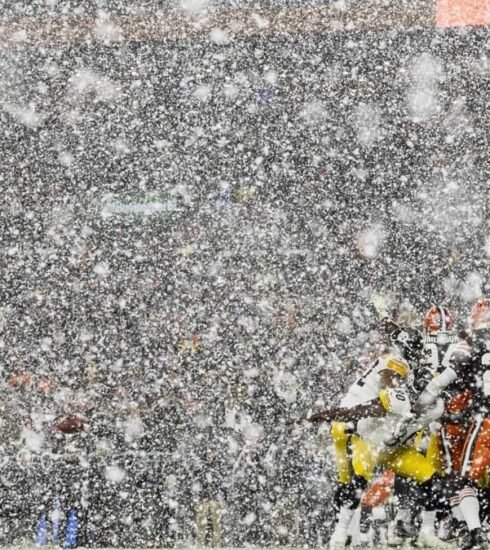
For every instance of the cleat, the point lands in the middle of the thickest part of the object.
(428, 539)
(339, 540)
(400, 532)
(460, 529)
(366, 538)
(474, 540)
(452, 530)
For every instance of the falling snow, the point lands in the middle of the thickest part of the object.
(206, 204)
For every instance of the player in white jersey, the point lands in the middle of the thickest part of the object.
(381, 383)
(370, 428)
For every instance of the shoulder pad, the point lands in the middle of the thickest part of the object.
(398, 365)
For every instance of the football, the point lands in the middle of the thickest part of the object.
(70, 424)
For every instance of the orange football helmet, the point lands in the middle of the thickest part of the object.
(480, 315)
(438, 318)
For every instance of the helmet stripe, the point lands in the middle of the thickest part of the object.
(443, 317)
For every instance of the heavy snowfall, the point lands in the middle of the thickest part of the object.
(196, 232)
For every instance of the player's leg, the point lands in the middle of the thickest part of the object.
(409, 463)
(346, 501)
(437, 453)
(424, 455)
(453, 437)
(365, 525)
(405, 525)
(475, 463)
(347, 447)
(476, 454)
(344, 498)
(373, 503)
(432, 446)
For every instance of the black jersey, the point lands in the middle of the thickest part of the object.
(471, 362)
(437, 351)
(436, 355)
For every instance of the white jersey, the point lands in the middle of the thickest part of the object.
(398, 425)
(368, 386)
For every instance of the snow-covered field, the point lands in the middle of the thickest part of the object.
(33, 547)
(30, 546)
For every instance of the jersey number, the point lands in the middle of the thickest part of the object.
(432, 356)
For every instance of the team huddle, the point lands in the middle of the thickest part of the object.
(414, 429)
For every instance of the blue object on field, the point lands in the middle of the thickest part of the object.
(71, 530)
(42, 532)
(55, 525)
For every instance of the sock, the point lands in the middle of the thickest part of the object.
(379, 513)
(365, 519)
(403, 514)
(470, 508)
(428, 520)
(344, 516)
(455, 509)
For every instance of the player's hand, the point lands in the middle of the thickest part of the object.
(400, 430)
(425, 400)
(387, 325)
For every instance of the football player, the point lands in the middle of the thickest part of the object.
(443, 445)
(441, 340)
(370, 430)
(469, 364)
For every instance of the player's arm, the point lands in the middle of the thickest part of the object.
(348, 414)
(457, 364)
(391, 400)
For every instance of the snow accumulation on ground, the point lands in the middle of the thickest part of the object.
(31, 546)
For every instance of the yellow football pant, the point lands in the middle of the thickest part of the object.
(355, 456)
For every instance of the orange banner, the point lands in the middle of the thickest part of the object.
(456, 13)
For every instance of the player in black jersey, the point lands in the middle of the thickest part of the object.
(469, 365)
(442, 441)
(441, 340)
